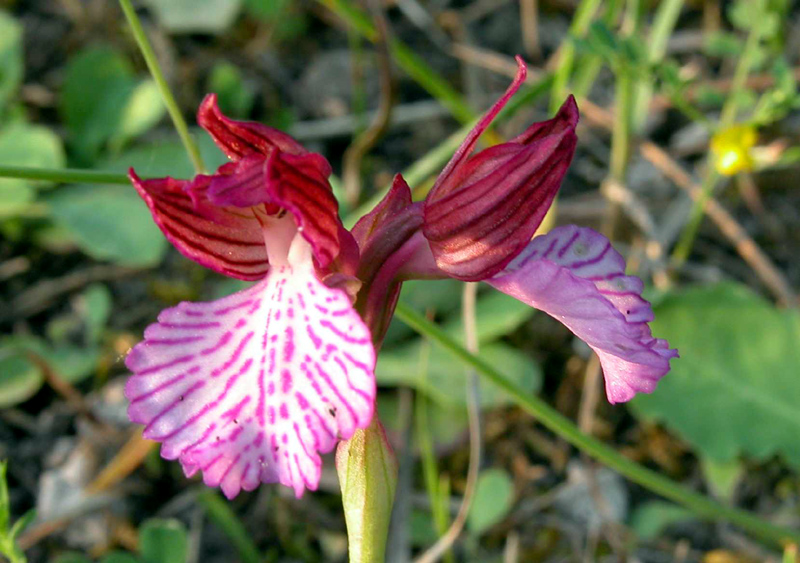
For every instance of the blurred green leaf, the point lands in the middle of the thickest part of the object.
(722, 477)
(20, 378)
(72, 558)
(143, 110)
(109, 223)
(118, 557)
(650, 519)
(11, 62)
(739, 360)
(164, 159)
(26, 145)
(494, 497)
(95, 304)
(162, 541)
(196, 16)
(496, 315)
(445, 382)
(722, 44)
(235, 96)
(99, 82)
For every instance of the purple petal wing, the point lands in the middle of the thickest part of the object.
(574, 275)
(227, 240)
(251, 388)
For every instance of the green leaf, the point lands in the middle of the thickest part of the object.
(164, 159)
(22, 524)
(72, 558)
(735, 388)
(722, 44)
(95, 306)
(494, 497)
(109, 223)
(496, 315)
(98, 84)
(650, 519)
(445, 381)
(20, 378)
(722, 477)
(162, 541)
(11, 62)
(26, 145)
(143, 110)
(235, 96)
(118, 557)
(195, 16)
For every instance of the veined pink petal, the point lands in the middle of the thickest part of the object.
(225, 239)
(239, 139)
(251, 388)
(574, 275)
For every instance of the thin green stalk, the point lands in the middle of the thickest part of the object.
(663, 25)
(63, 175)
(412, 64)
(727, 118)
(623, 122)
(580, 23)
(590, 66)
(686, 241)
(163, 87)
(221, 514)
(566, 429)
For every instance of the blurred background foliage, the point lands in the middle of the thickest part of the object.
(688, 155)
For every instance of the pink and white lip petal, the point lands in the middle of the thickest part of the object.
(253, 387)
(575, 275)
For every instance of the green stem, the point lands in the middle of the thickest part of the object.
(580, 23)
(163, 87)
(412, 64)
(564, 428)
(221, 514)
(727, 118)
(686, 241)
(63, 175)
(623, 121)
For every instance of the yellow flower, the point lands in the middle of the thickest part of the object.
(732, 149)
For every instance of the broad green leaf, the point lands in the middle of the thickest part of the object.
(95, 306)
(20, 378)
(735, 389)
(165, 159)
(235, 96)
(162, 541)
(72, 558)
(439, 297)
(650, 519)
(98, 84)
(496, 315)
(118, 557)
(11, 63)
(445, 381)
(109, 223)
(26, 145)
(494, 497)
(722, 477)
(195, 16)
(143, 110)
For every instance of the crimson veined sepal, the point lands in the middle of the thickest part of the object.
(485, 207)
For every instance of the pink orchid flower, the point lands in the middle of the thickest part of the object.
(254, 387)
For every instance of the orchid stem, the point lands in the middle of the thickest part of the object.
(166, 94)
(566, 429)
(63, 175)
